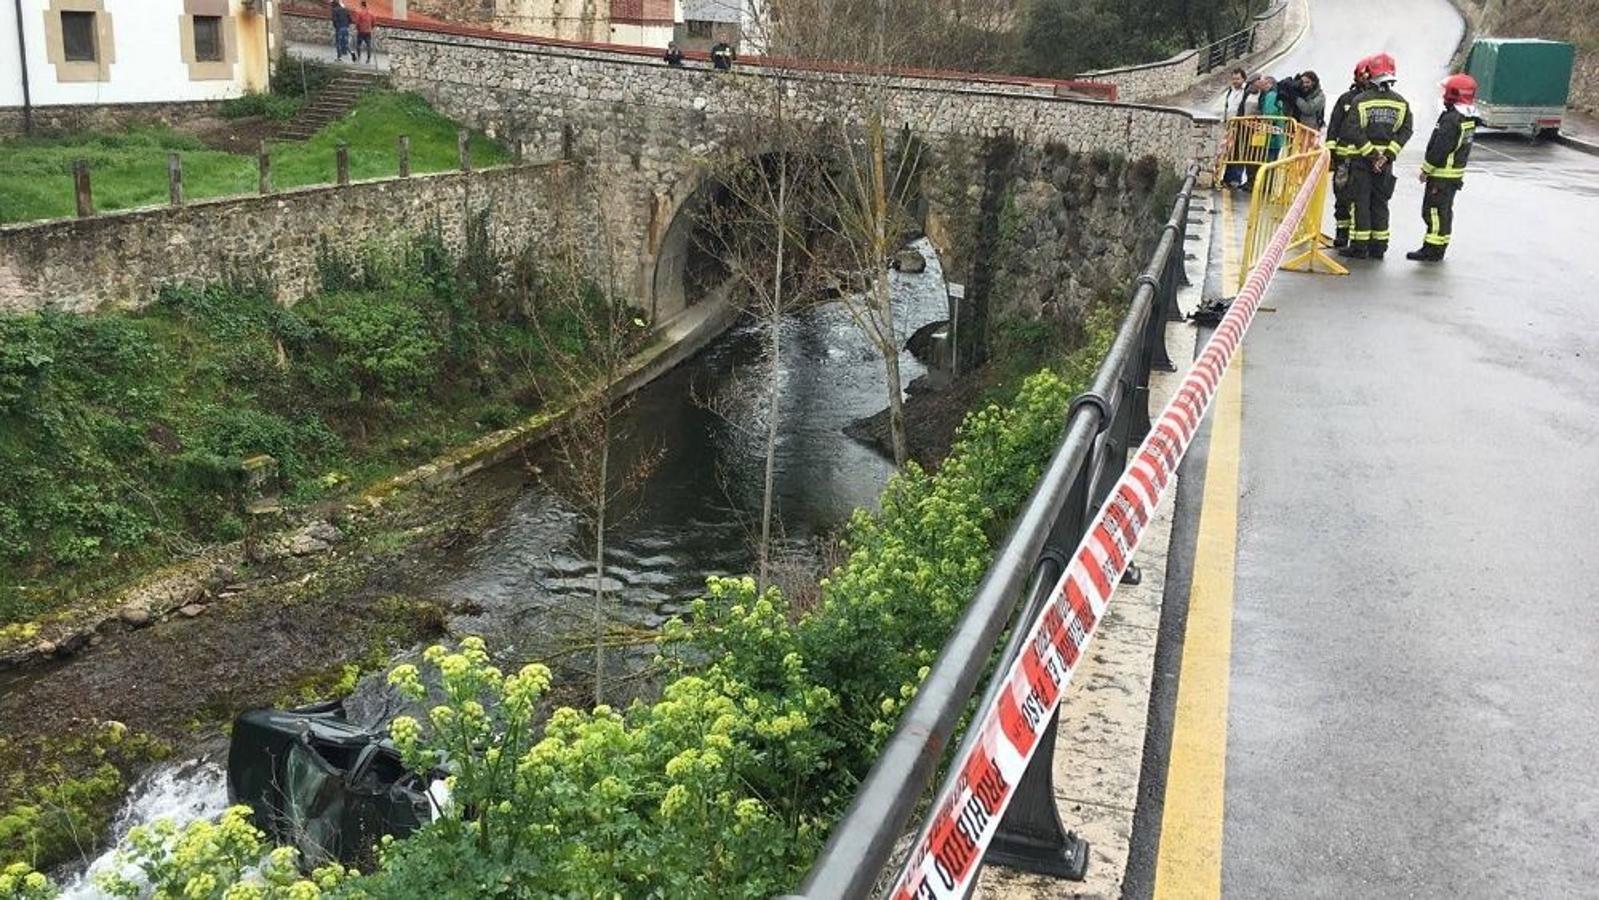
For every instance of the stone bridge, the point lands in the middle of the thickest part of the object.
(646, 131)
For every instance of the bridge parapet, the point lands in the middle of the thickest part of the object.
(647, 130)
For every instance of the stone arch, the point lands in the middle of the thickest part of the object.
(679, 269)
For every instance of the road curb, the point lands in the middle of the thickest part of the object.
(1577, 144)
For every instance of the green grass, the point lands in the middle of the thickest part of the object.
(129, 170)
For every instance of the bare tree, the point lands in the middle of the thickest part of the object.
(869, 178)
(587, 333)
(757, 225)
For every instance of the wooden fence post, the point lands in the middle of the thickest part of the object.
(81, 189)
(463, 148)
(342, 158)
(405, 156)
(264, 163)
(175, 178)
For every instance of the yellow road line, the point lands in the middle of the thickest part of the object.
(1229, 246)
(1189, 863)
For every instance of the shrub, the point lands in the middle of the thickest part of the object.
(268, 105)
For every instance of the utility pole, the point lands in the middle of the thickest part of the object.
(22, 57)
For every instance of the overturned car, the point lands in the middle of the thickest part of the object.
(325, 786)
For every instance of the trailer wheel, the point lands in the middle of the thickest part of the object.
(1549, 134)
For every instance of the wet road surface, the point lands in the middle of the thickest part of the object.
(1414, 664)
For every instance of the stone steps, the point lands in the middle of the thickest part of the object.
(330, 104)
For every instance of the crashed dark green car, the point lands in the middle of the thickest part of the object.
(322, 785)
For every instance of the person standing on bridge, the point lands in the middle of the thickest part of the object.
(722, 56)
(1377, 126)
(1443, 170)
(1310, 103)
(1235, 105)
(1343, 155)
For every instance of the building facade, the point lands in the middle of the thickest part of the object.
(641, 23)
(108, 53)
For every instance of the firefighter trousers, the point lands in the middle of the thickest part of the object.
(1438, 210)
(1343, 195)
(1372, 190)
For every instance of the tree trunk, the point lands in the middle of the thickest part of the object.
(896, 398)
(599, 558)
(774, 377)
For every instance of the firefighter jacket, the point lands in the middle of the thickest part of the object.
(1335, 122)
(1378, 123)
(1450, 146)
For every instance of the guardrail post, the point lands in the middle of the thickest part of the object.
(463, 148)
(263, 163)
(175, 178)
(341, 159)
(1031, 837)
(82, 191)
(405, 156)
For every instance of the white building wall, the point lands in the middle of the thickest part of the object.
(10, 67)
(642, 35)
(148, 61)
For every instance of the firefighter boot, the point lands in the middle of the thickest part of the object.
(1428, 253)
(1355, 250)
(1340, 239)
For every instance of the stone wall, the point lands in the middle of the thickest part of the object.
(1170, 77)
(122, 259)
(1042, 232)
(53, 120)
(646, 131)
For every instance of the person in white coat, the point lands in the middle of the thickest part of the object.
(1237, 101)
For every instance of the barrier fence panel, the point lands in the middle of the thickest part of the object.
(1102, 426)
(1250, 142)
(1276, 185)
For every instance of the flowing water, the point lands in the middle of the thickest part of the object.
(527, 580)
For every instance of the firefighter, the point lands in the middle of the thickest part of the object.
(1343, 199)
(1444, 168)
(1376, 127)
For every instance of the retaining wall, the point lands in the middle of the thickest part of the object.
(1173, 76)
(123, 259)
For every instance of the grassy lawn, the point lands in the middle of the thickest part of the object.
(130, 169)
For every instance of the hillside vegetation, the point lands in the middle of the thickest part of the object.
(122, 434)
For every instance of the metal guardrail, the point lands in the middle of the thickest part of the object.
(1222, 51)
(1103, 426)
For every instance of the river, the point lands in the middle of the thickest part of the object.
(525, 582)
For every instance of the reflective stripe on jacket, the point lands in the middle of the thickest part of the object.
(1379, 122)
(1450, 146)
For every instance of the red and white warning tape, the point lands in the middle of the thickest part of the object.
(945, 861)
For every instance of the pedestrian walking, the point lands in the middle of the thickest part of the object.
(1443, 169)
(1233, 105)
(1377, 126)
(1343, 154)
(674, 56)
(341, 30)
(1310, 103)
(722, 55)
(365, 22)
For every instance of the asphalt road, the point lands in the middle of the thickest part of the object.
(1413, 693)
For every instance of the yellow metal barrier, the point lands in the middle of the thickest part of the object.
(1254, 141)
(1276, 185)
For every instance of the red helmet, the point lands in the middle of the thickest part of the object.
(1381, 66)
(1460, 89)
(1363, 69)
